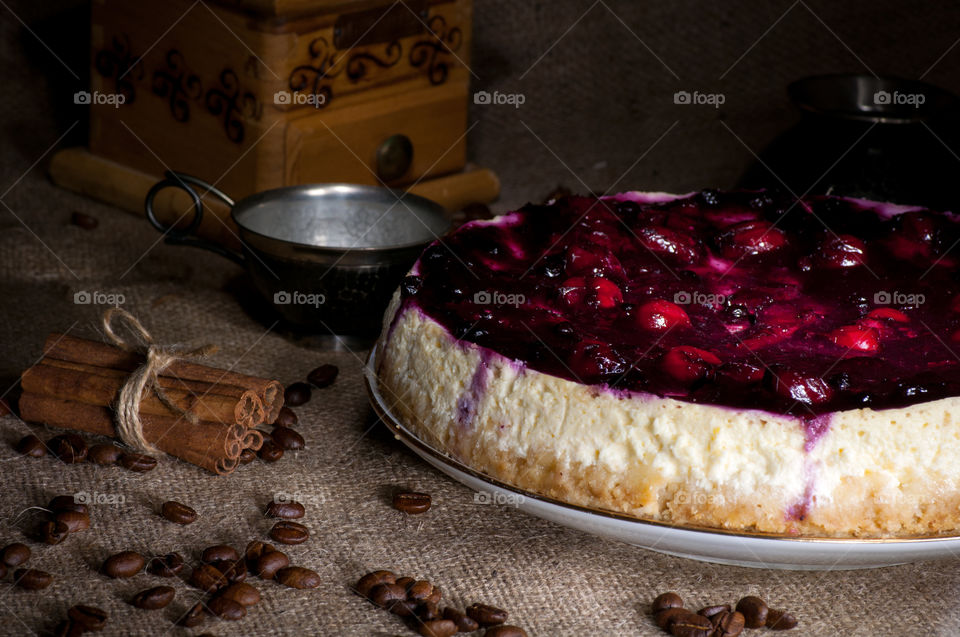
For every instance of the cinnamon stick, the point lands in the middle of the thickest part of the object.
(209, 445)
(80, 350)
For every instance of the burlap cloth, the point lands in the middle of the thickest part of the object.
(554, 581)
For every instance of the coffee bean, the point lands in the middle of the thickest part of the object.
(31, 446)
(104, 454)
(90, 618)
(411, 502)
(168, 565)
(287, 532)
(233, 570)
(285, 510)
(296, 394)
(464, 624)
(419, 591)
(226, 608)
(287, 438)
(323, 376)
(298, 577)
(53, 532)
(270, 563)
(667, 616)
(691, 625)
(437, 628)
(435, 595)
(254, 550)
(138, 462)
(219, 552)
(366, 583)
(207, 578)
(15, 554)
(286, 418)
(177, 512)
(486, 615)
(123, 564)
(406, 582)
(505, 631)
(75, 520)
(242, 593)
(710, 611)
(247, 456)
(68, 628)
(193, 617)
(754, 611)
(85, 221)
(154, 598)
(67, 503)
(68, 448)
(386, 595)
(780, 620)
(727, 624)
(32, 579)
(665, 601)
(270, 451)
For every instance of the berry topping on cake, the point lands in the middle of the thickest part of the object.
(659, 314)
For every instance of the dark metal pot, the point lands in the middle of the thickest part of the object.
(326, 256)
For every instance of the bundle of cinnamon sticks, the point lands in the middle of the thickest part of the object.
(76, 383)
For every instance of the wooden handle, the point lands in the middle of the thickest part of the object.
(453, 192)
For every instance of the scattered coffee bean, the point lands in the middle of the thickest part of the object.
(419, 591)
(270, 563)
(3, 570)
(505, 631)
(104, 454)
(177, 512)
(368, 581)
(270, 451)
(232, 570)
(123, 564)
(242, 593)
(68, 448)
(138, 462)
(464, 623)
(287, 532)
(226, 608)
(32, 579)
(287, 438)
(67, 503)
(286, 418)
(665, 601)
(85, 221)
(75, 520)
(68, 628)
(486, 615)
(5, 409)
(727, 624)
(154, 598)
(168, 565)
(435, 595)
(386, 595)
(31, 446)
(411, 502)
(54, 532)
(193, 617)
(254, 550)
(90, 618)
(323, 376)
(754, 611)
(15, 554)
(219, 552)
(710, 611)
(691, 625)
(426, 611)
(437, 628)
(406, 582)
(247, 456)
(207, 578)
(297, 577)
(667, 616)
(780, 620)
(296, 394)
(285, 510)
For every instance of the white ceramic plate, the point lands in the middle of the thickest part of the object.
(756, 550)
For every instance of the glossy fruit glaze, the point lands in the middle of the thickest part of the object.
(741, 299)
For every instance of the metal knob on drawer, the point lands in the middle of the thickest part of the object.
(394, 156)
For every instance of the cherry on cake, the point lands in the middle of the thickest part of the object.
(742, 360)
